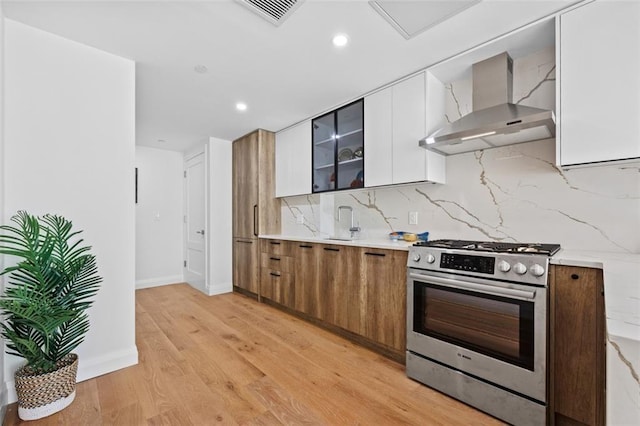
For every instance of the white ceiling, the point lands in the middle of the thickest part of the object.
(285, 74)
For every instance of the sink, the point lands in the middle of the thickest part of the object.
(339, 239)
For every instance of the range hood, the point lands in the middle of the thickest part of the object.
(495, 121)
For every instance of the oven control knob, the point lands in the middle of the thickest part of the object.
(504, 266)
(519, 269)
(416, 257)
(536, 270)
(430, 258)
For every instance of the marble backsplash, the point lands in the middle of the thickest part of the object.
(512, 194)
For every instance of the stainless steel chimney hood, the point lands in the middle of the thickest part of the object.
(495, 121)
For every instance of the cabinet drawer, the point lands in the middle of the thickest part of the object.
(277, 286)
(277, 262)
(279, 247)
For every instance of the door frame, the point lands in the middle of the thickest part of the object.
(204, 151)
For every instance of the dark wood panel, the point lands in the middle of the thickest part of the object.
(340, 287)
(277, 262)
(245, 177)
(278, 247)
(306, 277)
(578, 345)
(385, 303)
(277, 286)
(245, 264)
(269, 206)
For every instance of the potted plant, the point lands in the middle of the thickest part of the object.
(44, 304)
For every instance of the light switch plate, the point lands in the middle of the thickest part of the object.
(413, 218)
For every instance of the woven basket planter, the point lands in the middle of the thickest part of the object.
(40, 395)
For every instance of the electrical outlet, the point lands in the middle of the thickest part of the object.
(413, 218)
(300, 219)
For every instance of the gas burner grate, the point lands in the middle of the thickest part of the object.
(491, 246)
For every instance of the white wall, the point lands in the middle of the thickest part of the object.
(69, 149)
(219, 153)
(3, 393)
(159, 215)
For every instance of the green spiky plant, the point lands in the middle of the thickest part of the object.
(48, 291)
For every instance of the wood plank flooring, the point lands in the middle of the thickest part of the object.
(230, 360)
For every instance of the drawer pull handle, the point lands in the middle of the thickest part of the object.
(275, 243)
(274, 274)
(245, 242)
(305, 246)
(274, 258)
(374, 254)
(575, 276)
(331, 249)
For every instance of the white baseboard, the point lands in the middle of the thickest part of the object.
(87, 369)
(155, 282)
(219, 289)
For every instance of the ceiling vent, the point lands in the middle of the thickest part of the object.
(411, 18)
(274, 11)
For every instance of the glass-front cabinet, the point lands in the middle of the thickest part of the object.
(338, 149)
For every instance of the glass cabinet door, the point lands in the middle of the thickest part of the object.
(324, 153)
(338, 149)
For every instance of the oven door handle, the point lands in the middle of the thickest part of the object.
(478, 288)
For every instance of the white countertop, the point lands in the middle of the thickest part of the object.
(382, 243)
(621, 274)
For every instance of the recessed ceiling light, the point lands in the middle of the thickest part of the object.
(340, 40)
(241, 106)
(162, 141)
(200, 69)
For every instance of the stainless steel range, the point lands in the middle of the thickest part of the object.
(477, 324)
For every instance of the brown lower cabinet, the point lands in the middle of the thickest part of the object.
(306, 278)
(358, 290)
(577, 346)
(245, 264)
(339, 287)
(383, 277)
(277, 272)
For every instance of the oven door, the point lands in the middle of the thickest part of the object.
(493, 330)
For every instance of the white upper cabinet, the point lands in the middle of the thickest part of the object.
(599, 54)
(378, 137)
(395, 120)
(293, 160)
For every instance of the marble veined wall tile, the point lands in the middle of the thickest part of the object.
(514, 193)
(534, 79)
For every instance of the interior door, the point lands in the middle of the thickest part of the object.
(195, 223)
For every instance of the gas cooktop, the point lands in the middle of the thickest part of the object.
(491, 246)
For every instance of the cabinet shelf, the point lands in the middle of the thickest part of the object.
(324, 142)
(352, 132)
(353, 161)
(325, 166)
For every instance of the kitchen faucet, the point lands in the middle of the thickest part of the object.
(353, 229)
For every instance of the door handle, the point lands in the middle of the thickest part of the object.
(475, 287)
(368, 253)
(255, 220)
(200, 232)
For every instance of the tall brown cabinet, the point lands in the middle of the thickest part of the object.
(256, 211)
(577, 356)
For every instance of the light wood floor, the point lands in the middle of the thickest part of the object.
(230, 360)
